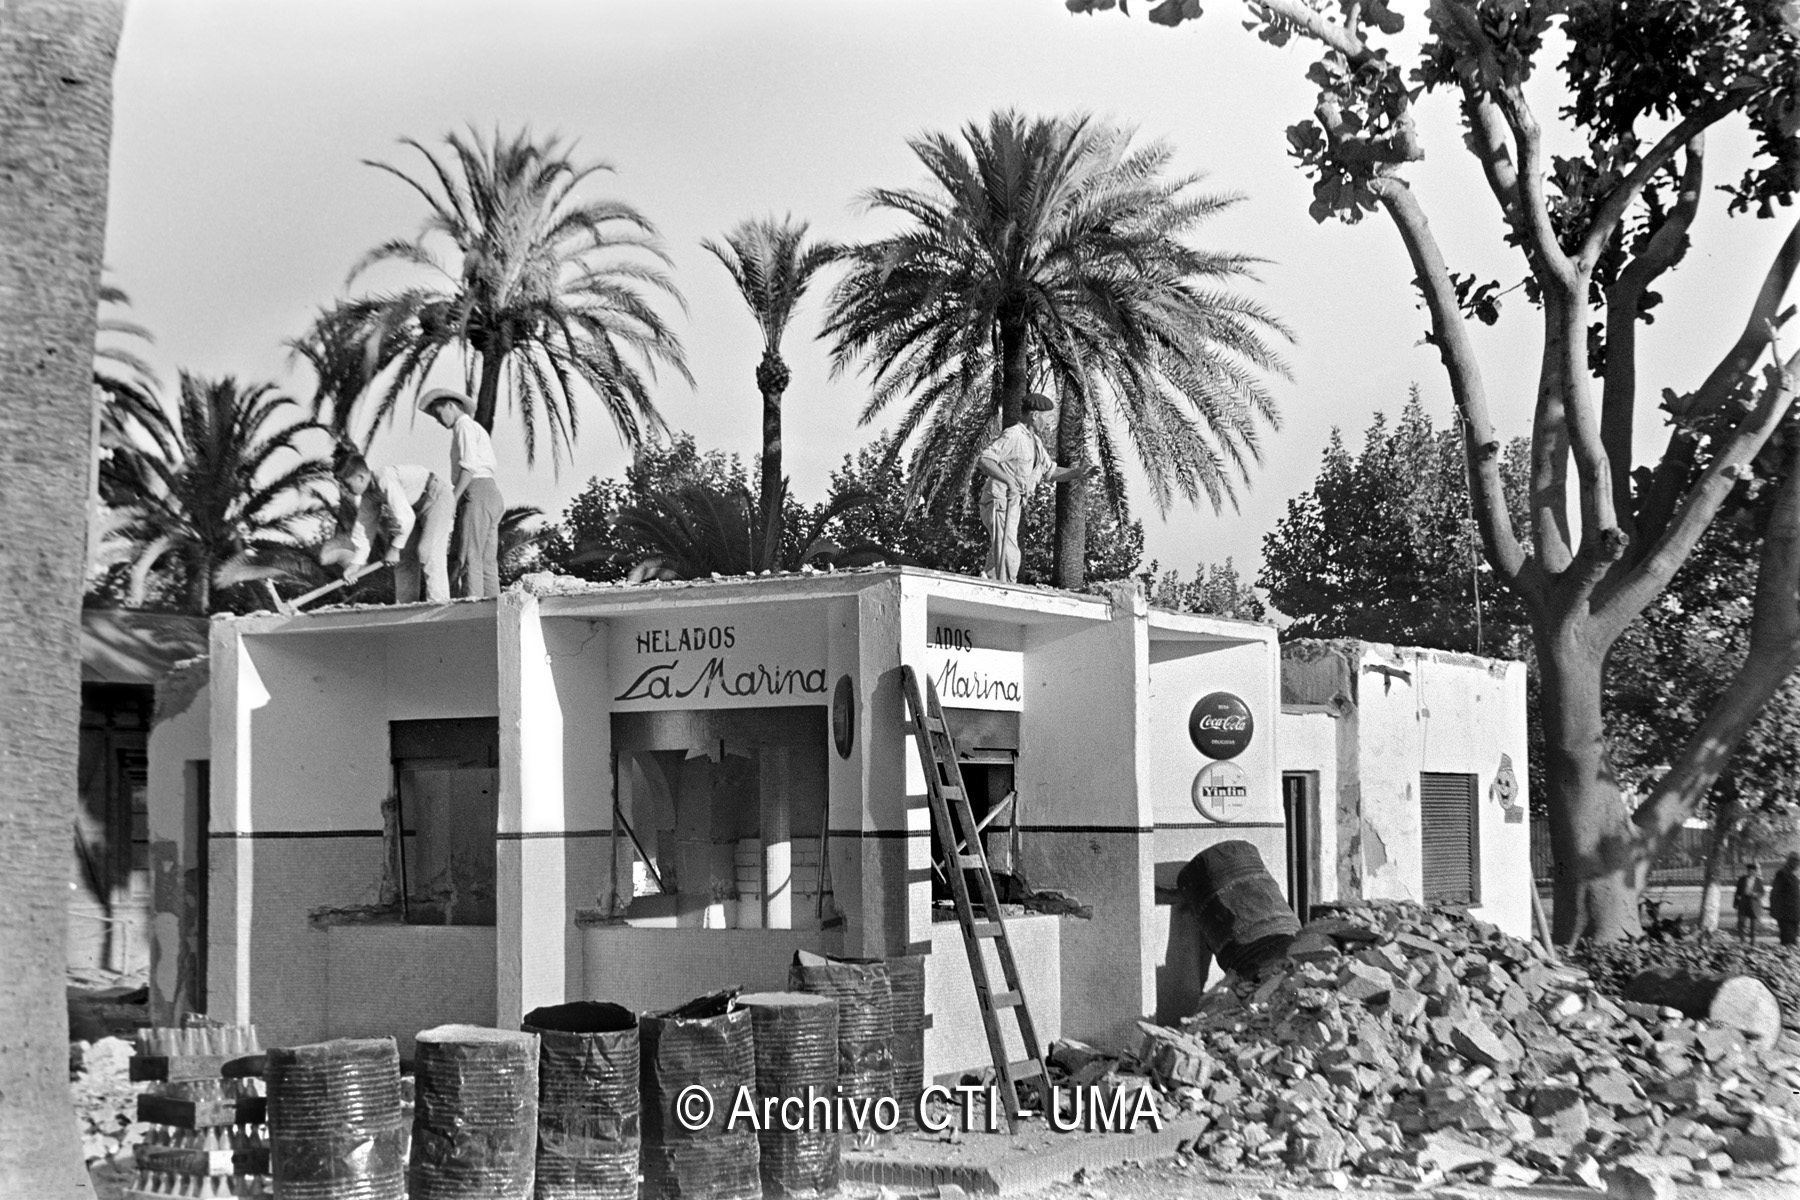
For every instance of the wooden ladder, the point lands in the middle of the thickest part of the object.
(943, 782)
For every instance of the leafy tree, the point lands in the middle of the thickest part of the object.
(1215, 590)
(1383, 547)
(955, 541)
(1598, 230)
(536, 291)
(1050, 252)
(772, 265)
(586, 542)
(221, 489)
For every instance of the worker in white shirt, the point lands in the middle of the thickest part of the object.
(1014, 464)
(407, 510)
(475, 494)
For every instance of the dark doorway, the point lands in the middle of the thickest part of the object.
(1299, 810)
(198, 836)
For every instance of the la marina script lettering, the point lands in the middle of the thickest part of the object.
(964, 674)
(690, 677)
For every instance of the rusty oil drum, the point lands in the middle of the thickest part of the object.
(1243, 917)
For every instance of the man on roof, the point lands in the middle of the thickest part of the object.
(406, 511)
(1013, 465)
(475, 494)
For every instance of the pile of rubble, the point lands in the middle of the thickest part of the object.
(105, 1098)
(1417, 1045)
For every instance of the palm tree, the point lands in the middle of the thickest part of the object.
(56, 60)
(772, 267)
(346, 351)
(211, 492)
(535, 291)
(699, 530)
(1048, 252)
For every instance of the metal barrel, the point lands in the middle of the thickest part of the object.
(906, 979)
(475, 1120)
(335, 1129)
(864, 992)
(589, 1101)
(696, 1062)
(797, 1069)
(1243, 917)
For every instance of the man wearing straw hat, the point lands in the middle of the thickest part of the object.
(1014, 464)
(475, 496)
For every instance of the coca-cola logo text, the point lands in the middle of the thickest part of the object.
(1221, 725)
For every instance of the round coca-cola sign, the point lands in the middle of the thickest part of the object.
(1220, 725)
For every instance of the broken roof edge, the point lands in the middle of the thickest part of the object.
(1394, 652)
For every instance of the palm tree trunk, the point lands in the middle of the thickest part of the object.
(487, 391)
(1013, 374)
(772, 377)
(199, 584)
(56, 60)
(1071, 497)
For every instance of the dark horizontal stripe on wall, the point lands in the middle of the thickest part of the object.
(553, 833)
(877, 834)
(1224, 825)
(259, 834)
(1134, 829)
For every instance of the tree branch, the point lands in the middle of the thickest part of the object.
(1498, 538)
(1773, 654)
(1493, 146)
(1314, 25)
(1664, 250)
(1612, 209)
(1661, 501)
(1646, 580)
(1551, 265)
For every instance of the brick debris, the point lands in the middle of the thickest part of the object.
(1420, 1045)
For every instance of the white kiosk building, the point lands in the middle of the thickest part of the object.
(400, 816)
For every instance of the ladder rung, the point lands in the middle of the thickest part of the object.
(970, 862)
(1006, 1000)
(987, 929)
(1026, 1069)
(935, 724)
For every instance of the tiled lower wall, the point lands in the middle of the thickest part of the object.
(957, 1040)
(652, 970)
(395, 980)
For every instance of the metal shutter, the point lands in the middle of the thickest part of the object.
(1447, 817)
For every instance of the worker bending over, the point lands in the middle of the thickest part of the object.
(1014, 464)
(404, 509)
(475, 493)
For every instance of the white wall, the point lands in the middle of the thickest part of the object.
(1427, 710)
(1181, 672)
(1309, 743)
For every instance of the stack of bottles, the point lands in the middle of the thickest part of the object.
(205, 1109)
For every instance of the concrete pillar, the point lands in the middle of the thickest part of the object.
(777, 846)
(237, 692)
(531, 902)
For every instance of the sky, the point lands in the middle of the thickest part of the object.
(240, 197)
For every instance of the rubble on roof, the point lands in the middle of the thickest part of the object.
(1443, 1048)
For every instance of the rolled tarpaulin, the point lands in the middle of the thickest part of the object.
(796, 1036)
(335, 1131)
(865, 999)
(696, 1060)
(588, 1101)
(475, 1114)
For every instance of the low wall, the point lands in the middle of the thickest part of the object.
(652, 970)
(395, 980)
(957, 1040)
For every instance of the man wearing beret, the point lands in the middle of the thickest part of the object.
(475, 497)
(1013, 464)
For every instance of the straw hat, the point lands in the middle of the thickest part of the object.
(437, 395)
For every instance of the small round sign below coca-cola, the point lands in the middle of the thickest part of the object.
(1220, 725)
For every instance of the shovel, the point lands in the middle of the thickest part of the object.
(288, 608)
